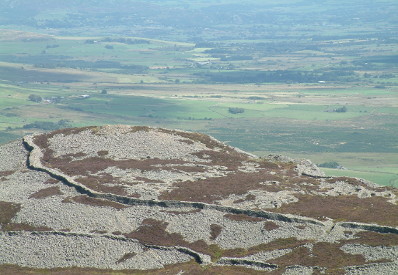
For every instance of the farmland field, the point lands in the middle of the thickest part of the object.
(324, 89)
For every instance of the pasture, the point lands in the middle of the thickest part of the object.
(165, 83)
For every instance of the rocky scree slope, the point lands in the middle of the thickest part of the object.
(152, 200)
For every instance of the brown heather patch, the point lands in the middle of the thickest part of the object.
(83, 199)
(290, 173)
(6, 173)
(8, 210)
(303, 181)
(204, 139)
(215, 230)
(344, 208)
(97, 186)
(42, 139)
(126, 257)
(24, 227)
(47, 192)
(182, 212)
(294, 183)
(269, 226)
(117, 233)
(188, 169)
(191, 268)
(242, 217)
(187, 141)
(288, 168)
(274, 245)
(355, 182)
(98, 231)
(72, 156)
(352, 181)
(154, 232)
(230, 160)
(213, 189)
(102, 153)
(327, 255)
(141, 129)
(268, 165)
(239, 201)
(96, 164)
(250, 197)
(139, 179)
(104, 178)
(276, 187)
(374, 239)
(231, 270)
(191, 137)
(51, 181)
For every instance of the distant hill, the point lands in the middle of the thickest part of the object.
(141, 200)
(195, 19)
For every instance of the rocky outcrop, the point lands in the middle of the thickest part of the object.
(144, 193)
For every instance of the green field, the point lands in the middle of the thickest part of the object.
(303, 79)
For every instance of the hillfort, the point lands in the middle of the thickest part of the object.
(141, 200)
